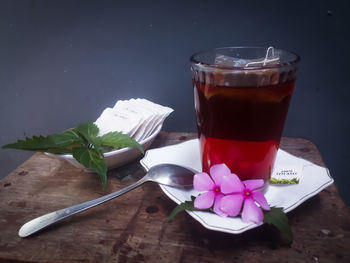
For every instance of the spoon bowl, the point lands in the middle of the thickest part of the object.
(165, 174)
(171, 175)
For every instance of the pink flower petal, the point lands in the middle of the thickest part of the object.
(204, 201)
(202, 182)
(251, 212)
(231, 184)
(260, 198)
(253, 184)
(231, 204)
(218, 171)
(217, 203)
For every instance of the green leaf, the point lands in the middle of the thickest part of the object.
(115, 140)
(284, 181)
(187, 205)
(54, 143)
(93, 159)
(87, 129)
(278, 218)
(88, 132)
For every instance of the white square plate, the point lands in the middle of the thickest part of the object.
(313, 179)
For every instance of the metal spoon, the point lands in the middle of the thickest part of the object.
(166, 174)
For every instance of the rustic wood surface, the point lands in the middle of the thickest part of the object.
(133, 227)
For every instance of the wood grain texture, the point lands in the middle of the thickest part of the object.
(133, 227)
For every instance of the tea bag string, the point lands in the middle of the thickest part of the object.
(266, 60)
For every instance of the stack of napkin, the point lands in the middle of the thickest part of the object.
(138, 118)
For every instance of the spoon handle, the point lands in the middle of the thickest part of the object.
(41, 222)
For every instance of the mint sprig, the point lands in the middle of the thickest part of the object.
(83, 143)
(275, 217)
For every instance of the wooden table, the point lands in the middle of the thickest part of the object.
(133, 227)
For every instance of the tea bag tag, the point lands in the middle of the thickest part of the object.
(227, 61)
(287, 172)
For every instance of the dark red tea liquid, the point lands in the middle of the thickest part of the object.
(241, 126)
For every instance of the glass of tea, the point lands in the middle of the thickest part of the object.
(241, 98)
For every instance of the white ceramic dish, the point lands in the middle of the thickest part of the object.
(115, 158)
(313, 179)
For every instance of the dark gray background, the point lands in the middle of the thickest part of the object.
(63, 62)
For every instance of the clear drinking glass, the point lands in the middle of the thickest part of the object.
(241, 98)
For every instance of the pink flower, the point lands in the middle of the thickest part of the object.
(243, 192)
(203, 182)
(228, 193)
